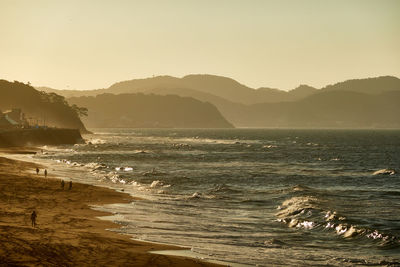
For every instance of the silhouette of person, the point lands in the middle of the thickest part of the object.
(62, 184)
(45, 173)
(33, 218)
(37, 170)
(70, 185)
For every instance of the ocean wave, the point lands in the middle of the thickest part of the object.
(96, 141)
(300, 187)
(310, 212)
(384, 172)
(199, 195)
(182, 145)
(270, 146)
(100, 171)
(153, 172)
(95, 166)
(364, 262)
(49, 150)
(142, 151)
(156, 183)
(126, 169)
(105, 174)
(219, 191)
(298, 205)
(110, 177)
(312, 144)
(68, 162)
(275, 243)
(223, 188)
(197, 139)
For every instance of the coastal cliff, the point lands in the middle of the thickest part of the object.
(40, 136)
(40, 108)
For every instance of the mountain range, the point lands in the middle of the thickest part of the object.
(357, 103)
(219, 86)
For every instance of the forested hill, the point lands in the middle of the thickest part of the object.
(48, 108)
(149, 111)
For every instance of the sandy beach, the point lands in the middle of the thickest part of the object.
(68, 232)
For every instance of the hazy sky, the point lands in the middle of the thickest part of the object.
(91, 44)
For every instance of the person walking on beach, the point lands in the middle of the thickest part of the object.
(62, 184)
(45, 173)
(33, 218)
(37, 170)
(70, 185)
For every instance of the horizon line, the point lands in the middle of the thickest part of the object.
(207, 74)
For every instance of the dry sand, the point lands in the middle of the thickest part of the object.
(68, 232)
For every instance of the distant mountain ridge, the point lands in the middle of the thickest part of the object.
(329, 109)
(224, 87)
(219, 86)
(268, 107)
(374, 85)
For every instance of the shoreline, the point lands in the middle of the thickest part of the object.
(68, 230)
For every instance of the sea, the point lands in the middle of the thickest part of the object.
(258, 197)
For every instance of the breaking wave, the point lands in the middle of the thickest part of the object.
(384, 172)
(313, 212)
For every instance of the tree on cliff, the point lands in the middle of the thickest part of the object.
(80, 111)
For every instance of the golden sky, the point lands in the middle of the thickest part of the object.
(90, 44)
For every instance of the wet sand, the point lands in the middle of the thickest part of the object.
(68, 232)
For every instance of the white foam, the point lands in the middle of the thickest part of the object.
(196, 195)
(156, 183)
(306, 224)
(330, 216)
(385, 172)
(340, 229)
(352, 231)
(96, 141)
(269, 146)
(296, 205)
(127, 169)
(95, 166)
(375, 235)
(330, 225)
